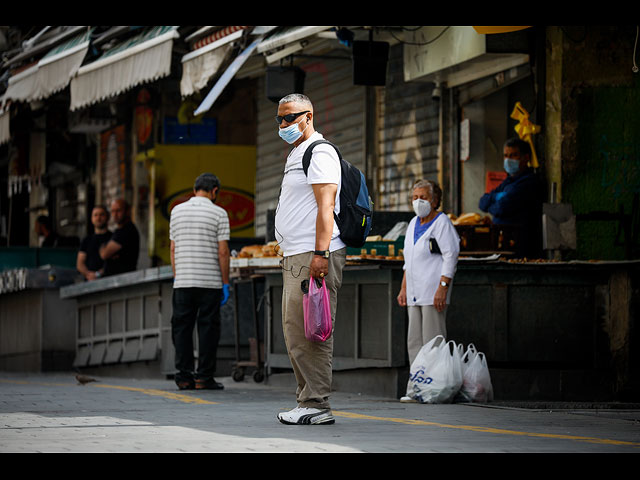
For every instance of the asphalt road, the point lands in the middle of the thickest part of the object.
(55, 414)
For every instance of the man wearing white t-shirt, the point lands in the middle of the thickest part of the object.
(310, 241)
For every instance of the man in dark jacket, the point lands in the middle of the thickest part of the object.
(518, 199)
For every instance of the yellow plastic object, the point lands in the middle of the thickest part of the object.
(525, 129)
(489, 30)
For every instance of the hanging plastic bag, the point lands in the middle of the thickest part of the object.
(476, 382)
(317, 312)
(436, 373)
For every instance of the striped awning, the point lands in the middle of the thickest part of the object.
(141, 59)
(204, 61)
(5, 135)
(51, 74)
(288, 35)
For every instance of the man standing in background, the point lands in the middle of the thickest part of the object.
(199, 234)
(88, 262)
(121, 252)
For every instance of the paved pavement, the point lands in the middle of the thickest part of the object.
(53, 413)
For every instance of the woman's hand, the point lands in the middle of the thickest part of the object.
(440, 298)
(402, 297)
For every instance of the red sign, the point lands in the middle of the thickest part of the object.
(240, 205)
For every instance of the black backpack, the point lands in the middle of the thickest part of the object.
(356, 208)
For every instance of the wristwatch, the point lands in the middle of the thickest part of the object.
(444, 284)
(322, 253)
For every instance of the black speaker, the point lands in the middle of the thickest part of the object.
(370, 62)
(282, 81)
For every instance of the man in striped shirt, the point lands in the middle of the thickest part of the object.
(199, 234)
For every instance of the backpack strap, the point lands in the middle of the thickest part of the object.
(306, 158)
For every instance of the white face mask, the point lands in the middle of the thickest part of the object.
(421, 207)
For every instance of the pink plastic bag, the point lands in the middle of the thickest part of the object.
(317, 312)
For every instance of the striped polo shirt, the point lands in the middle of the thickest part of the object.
(196, 227)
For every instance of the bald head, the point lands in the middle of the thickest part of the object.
(120, 211)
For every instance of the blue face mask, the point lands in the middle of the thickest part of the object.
(511, 166)
(291, 133)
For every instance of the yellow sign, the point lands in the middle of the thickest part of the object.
(525, 128)
(175, 170)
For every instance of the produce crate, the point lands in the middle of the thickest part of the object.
(487, 238)
(384, 248)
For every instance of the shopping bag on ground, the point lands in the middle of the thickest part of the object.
(436, 373)
(317, 312)
(466, 356)
(476, 381)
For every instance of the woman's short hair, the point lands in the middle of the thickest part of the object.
(434, 190)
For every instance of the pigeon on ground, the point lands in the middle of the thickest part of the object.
(83, 379)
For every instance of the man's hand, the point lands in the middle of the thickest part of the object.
(440, 298)
(225, 294)
(319, 266)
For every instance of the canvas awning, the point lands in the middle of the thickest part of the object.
(51, 73)
(5, 135)
(200, 65)
(288, 35)
(143, 58)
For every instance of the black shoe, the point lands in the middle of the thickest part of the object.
(209, 384)
(185, 384)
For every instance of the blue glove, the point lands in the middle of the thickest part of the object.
(499, 195)
(225, 293)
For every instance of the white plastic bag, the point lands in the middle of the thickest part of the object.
(476, 380)
(436, 373)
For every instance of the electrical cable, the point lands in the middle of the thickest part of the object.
(419, 43)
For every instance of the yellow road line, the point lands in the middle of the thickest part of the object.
(147, 391)
(499, 431)
(160, 393)
(359, 416)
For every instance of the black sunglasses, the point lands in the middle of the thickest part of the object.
(289, 117)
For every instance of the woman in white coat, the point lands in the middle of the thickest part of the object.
(431, 249)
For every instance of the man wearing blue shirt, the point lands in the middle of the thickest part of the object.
(518, 199)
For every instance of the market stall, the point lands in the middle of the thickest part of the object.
(553, 330)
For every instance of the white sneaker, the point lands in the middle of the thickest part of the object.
(306, 416)
(407, 399)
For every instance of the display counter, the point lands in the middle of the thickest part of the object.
(550, 330)
(36, 326)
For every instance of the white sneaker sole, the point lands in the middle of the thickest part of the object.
(322, 418)
(408, 400)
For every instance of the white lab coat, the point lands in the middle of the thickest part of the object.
(423, 269)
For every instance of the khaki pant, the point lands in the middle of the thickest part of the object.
(425, 323)
(311, 361)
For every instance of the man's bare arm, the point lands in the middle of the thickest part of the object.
(223, 260)
(325, 194)
(110, 249)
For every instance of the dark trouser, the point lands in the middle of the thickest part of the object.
(193, 306)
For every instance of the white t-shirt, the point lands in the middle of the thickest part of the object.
(295, 222)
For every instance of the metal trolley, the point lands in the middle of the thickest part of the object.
(255, 311)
